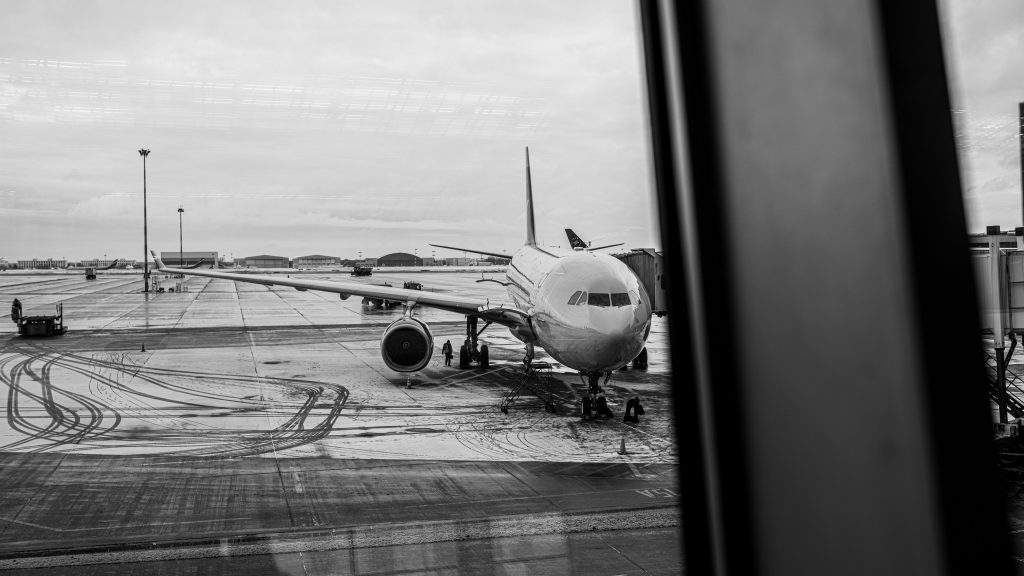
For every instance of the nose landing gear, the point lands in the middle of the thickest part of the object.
(595, 405)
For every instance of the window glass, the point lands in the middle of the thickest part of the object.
(599, 299)
(620, 299)
(982, 44)
(354, 140)
(634, 298)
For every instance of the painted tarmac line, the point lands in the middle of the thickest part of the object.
(147, 525)
(372, 536)
(594, 493)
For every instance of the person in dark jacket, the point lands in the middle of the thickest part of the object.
(447, 351)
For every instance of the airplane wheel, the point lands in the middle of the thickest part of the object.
(602, 408)
(463, 357)
(641, 360)
(485, 361)
(586, 408)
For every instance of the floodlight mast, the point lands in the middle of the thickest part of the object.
(145, 228)
(181, 253)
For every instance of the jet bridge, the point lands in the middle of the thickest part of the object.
(998, 261)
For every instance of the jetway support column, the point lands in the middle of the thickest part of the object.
(998, 341)
(1001, 380)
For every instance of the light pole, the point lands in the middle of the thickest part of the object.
(145, 228)
(181, 253)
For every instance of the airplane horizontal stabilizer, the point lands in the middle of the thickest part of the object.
(474, 251)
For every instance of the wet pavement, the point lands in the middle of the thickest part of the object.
(231, 427)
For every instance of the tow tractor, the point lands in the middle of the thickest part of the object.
(38, 325)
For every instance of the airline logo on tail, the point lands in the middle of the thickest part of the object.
(575, 242)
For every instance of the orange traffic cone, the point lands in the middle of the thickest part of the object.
(622, 446)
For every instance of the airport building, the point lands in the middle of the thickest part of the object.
(315, 260)
(179, 259)
(104, 262)
(46, 264)
(459, 261)
(265, 261)
(400, 259)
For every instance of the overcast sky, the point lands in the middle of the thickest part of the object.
(984, 44)
(301, 127)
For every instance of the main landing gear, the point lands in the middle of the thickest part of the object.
(595, 405)
(469, 352)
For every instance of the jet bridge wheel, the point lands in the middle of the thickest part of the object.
(485, 361)
(463, 357)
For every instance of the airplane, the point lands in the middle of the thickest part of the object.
(587, 310)
(90, 272)
(577, 243)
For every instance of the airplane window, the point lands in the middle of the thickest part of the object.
(582, 300)
(575, 296)
(620, 299)
(599, 299)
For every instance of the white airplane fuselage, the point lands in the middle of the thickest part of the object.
(589, 311)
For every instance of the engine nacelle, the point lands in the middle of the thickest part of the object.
(407, 345)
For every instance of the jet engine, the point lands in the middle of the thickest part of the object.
(407, 345)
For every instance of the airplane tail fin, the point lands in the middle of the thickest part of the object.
(159, 262)
(574, 240)
(577, 243)
(531, 238)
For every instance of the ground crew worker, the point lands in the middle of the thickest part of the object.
(447, 351)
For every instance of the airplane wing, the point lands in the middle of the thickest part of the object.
(112, 264)
(500, 314)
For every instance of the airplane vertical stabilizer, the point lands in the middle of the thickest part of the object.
(531, 238)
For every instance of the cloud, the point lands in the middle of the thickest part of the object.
(293, 125)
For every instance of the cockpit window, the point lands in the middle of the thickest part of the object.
(634, 298)
(575, 296)
(582, 300)
(599, 299)
(620, 299)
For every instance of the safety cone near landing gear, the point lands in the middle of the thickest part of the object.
(622, 446)
(143, 346)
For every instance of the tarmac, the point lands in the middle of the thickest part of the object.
(236, 428)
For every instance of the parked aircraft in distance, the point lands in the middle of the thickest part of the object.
(577, 243)
(586, 310)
